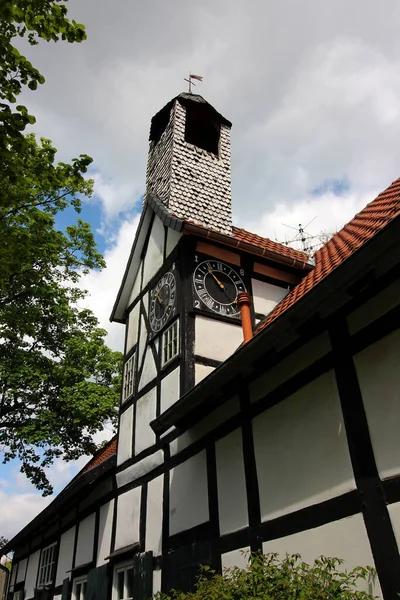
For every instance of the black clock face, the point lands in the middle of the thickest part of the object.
(217, 286)
(162, 301)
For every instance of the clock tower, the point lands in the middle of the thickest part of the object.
(188, 264)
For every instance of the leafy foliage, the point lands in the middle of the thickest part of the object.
(41, 19)
(269, 578)
(59, 382)
(3, 541)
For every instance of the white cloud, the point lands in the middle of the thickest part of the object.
(17, 510)
(312, 89)
(103, 286)
(114, 197)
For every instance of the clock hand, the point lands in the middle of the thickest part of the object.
(160, 300)
(221, 285)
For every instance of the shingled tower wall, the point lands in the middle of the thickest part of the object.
(189, 163)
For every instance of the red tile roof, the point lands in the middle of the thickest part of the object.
(262, 242)
(374, 217)
(101, 456)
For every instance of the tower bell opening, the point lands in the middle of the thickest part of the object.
(202, 128)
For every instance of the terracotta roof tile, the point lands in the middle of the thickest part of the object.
(101, 456)
(262, 242)
(374, 217)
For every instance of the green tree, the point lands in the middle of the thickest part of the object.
(59, 382)
(41, 19)
(269, 578)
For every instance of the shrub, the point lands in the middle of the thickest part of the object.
(269, 578)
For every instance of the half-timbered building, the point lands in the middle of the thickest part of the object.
(287, 442)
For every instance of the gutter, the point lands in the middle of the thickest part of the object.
(226, 240)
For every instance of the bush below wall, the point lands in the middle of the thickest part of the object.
(268, 577)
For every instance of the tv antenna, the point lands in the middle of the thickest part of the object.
(305, 241)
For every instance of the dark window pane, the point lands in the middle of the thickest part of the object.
(129, 583)
(120, 585)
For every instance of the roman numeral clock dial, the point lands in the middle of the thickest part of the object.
(162, 302)
(216, 287)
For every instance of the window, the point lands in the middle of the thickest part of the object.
(17, 596)
(170, 343)
(123, 582)
(79, 590)
(47, 562)
(129, 372)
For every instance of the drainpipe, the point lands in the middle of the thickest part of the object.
(243, 301)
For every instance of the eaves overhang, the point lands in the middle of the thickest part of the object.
(377, 256)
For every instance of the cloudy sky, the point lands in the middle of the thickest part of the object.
(312, 89)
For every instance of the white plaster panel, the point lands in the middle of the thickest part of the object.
(31, 574)
(346, 539)
(231, 483)
(375, 307)
(13, 573)
(145, 301)
(201, 371)
(139, 469)
(200, 429)
(293, 364)
(128, 518)
(301, 450)
(154, 515)
(379, 377)
(136, 288)
(188, 494)
(266, 296)
(149, 371)
(84, 548)
(173, 238)
(57, 597)
(155, 250)
(236, 558)
(105, 529)
(394, 512)
(142, 341)
(170, 389)
(65, 555)
(133, 327)
(145, 413)
(156, 582)
(21, 570)
(125, 436)
(216, 339)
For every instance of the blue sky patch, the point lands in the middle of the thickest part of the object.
(338, 187)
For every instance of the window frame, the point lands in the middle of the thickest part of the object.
(50, 565)
(165, 361)
(122, 568)
(128, 386)
(79, 581)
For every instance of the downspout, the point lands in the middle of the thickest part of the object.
(244, 301)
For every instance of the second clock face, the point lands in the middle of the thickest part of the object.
(162, 301)
(217, 286)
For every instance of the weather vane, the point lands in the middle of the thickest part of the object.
(190, 82)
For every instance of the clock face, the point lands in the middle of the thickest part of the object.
(217, 286)
(162, 301)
